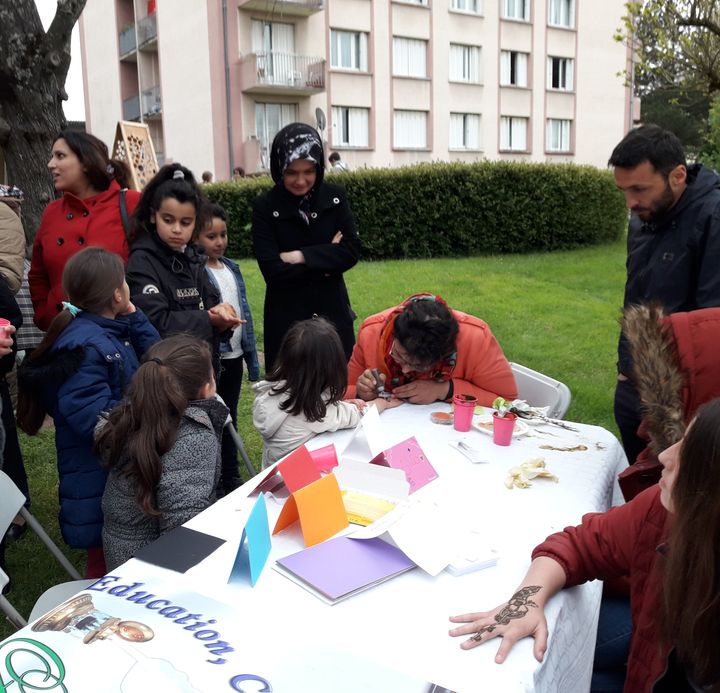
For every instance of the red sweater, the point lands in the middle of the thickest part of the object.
(481, 368)
(623, 541)
(67, 226)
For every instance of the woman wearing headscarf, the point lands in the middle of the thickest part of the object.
(304, 239)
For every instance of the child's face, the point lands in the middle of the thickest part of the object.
(175, 222)
(214, 239)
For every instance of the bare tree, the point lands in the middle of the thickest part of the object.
(33, 67)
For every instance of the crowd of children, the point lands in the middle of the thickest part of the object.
(141, 369)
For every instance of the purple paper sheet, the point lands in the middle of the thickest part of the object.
(343, 565)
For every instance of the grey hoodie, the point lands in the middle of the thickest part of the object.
(283, 432)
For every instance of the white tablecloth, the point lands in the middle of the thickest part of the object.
(394, 637)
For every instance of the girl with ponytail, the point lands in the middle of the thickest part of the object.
(166, 269)
(82, 368)
(162, 447)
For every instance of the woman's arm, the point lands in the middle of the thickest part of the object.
(39, 284)
(521, 616)
(336, 258)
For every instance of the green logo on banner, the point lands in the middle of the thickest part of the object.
(31, 665)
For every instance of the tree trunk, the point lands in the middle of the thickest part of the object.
(33, 68)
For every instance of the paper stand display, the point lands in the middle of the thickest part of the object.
(318, 507)
(254, 546)
(409, 457)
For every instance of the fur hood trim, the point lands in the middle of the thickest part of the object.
(656, 374)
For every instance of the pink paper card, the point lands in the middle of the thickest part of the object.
(409, 457)
(320, 509)
(325, 458)
(298, 469)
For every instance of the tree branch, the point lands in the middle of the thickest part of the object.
(57, 39)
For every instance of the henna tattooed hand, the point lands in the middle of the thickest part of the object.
(522, 616)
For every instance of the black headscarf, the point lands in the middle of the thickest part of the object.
(293, 142)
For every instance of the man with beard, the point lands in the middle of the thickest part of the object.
(673, 244)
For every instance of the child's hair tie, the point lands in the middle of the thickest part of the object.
(73, 310)
(155, 359)
(178, 175)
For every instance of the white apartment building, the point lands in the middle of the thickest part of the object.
(393, 82)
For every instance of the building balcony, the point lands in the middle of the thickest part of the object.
(131, 108)
(151, 103)
(282, 73)
(147, 32)
(127, 43)
(299, 8)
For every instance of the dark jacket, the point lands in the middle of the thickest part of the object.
(623, 541)
(297, 292)
(675, 261)
(247, 339)
(84, 374)
(190, 471)
(172, 288)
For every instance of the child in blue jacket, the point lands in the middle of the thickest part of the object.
(80, 369)
(225, 276)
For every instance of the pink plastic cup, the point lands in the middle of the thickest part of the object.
(503, 428)
(4, 323)
(464, 410)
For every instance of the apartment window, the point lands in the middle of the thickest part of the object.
(270, 118)
(410, 131)
(465, 131)
(409, 57)
(513, 69)
(350, 126)
(464, 63)
(560, 74)
(516, 9)
(513, 134)
(349, 50)
(474, 6)
(274, 44)
(558, 135)
(561, 13)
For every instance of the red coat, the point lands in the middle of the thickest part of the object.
(481, 368)
(67, 226)
(623, 541)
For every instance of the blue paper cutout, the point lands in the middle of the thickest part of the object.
(253, 553)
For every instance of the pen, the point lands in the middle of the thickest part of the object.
(379, 385)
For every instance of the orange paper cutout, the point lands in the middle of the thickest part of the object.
(320, 509)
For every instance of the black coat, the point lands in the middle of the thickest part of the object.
(675, 261)
(172, 288)
(297, 292)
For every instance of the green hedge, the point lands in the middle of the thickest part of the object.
(439, 209)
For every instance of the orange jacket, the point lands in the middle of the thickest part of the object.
(481, 368)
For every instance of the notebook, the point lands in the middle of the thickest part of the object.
(343, 567)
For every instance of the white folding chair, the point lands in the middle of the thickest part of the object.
(540, 390)
(11, 503)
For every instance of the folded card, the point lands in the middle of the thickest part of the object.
(319, 508)
(409, 457)
(254, 546)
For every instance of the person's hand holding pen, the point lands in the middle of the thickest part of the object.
(370, 384)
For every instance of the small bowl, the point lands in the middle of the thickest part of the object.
(441, 417)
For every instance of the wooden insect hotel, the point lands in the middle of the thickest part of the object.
(134, 146)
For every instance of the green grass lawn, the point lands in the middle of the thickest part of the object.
(557, 313)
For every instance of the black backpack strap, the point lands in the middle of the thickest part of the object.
(124, 215)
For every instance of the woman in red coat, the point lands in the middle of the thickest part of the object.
(667, 541)
(88, 213)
